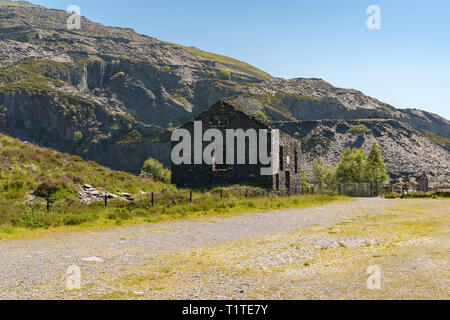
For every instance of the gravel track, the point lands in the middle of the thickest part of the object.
(36, 268)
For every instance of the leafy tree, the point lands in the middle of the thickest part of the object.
(359, 158)
(304, 179)
(375, 169)
(351, 167)
(330, 175)
(343, 170)
(156, 168)
(318, 172)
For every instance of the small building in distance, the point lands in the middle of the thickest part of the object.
(423, 183)
(223, 116)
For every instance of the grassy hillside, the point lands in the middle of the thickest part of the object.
(230, 62)
(25, 168)
(437, 139)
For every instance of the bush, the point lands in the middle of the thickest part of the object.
(261, 116)
(390, 196)
(34, 220)
(119, 214)
(225, 73)
(156, 168)
(74, 219)
(359, 130)
(46, 189)
(77, 138)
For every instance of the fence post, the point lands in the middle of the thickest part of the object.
(221, 193)
(153, 199)
(341, 187)
(190, 196)
(106, 200)
(48, 204)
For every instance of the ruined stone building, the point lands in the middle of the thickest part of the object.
(224, 116)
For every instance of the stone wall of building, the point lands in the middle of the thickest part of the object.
(223, 116)
(407, 185)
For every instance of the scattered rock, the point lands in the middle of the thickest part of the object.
(146, 175)
(127, 196)
(89, 194)
(92, 259)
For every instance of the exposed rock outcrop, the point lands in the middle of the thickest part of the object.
(89, 194)
(405, 151)
(110, 94)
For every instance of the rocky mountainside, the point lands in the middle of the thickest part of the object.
(111, 95)
(405, 151)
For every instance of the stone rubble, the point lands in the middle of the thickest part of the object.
(88, 194)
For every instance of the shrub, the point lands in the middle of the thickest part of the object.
(359, 130)
(390, 196)
(261, 116)
(74, 219)
(225, 73)
(156, 168)
(165, 69)
(77, 137)
(119, 214)
(46, 189)
(34, 220)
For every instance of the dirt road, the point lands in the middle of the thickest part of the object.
(310, 253)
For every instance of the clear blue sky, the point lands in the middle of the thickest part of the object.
(406, 63)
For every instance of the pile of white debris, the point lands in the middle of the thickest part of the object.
(89, 194)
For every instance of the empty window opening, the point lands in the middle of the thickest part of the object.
(281, 158)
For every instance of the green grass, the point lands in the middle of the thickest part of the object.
(440, 194)
(25, 168)
(34, 76)
(437, 139)
(230, 62)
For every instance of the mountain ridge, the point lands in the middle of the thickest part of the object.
(105, 93)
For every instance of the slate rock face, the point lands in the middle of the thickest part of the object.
(110, 94)
(406, 151)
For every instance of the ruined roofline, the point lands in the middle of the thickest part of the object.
(237, 108)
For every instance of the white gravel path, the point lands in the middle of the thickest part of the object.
(27, 263)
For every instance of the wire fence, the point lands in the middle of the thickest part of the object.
(169, 198)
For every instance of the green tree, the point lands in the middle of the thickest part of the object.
(375, 170)
(304, 179)
(156, 168)
(318, 172)
(330, 175)
(351, 167)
